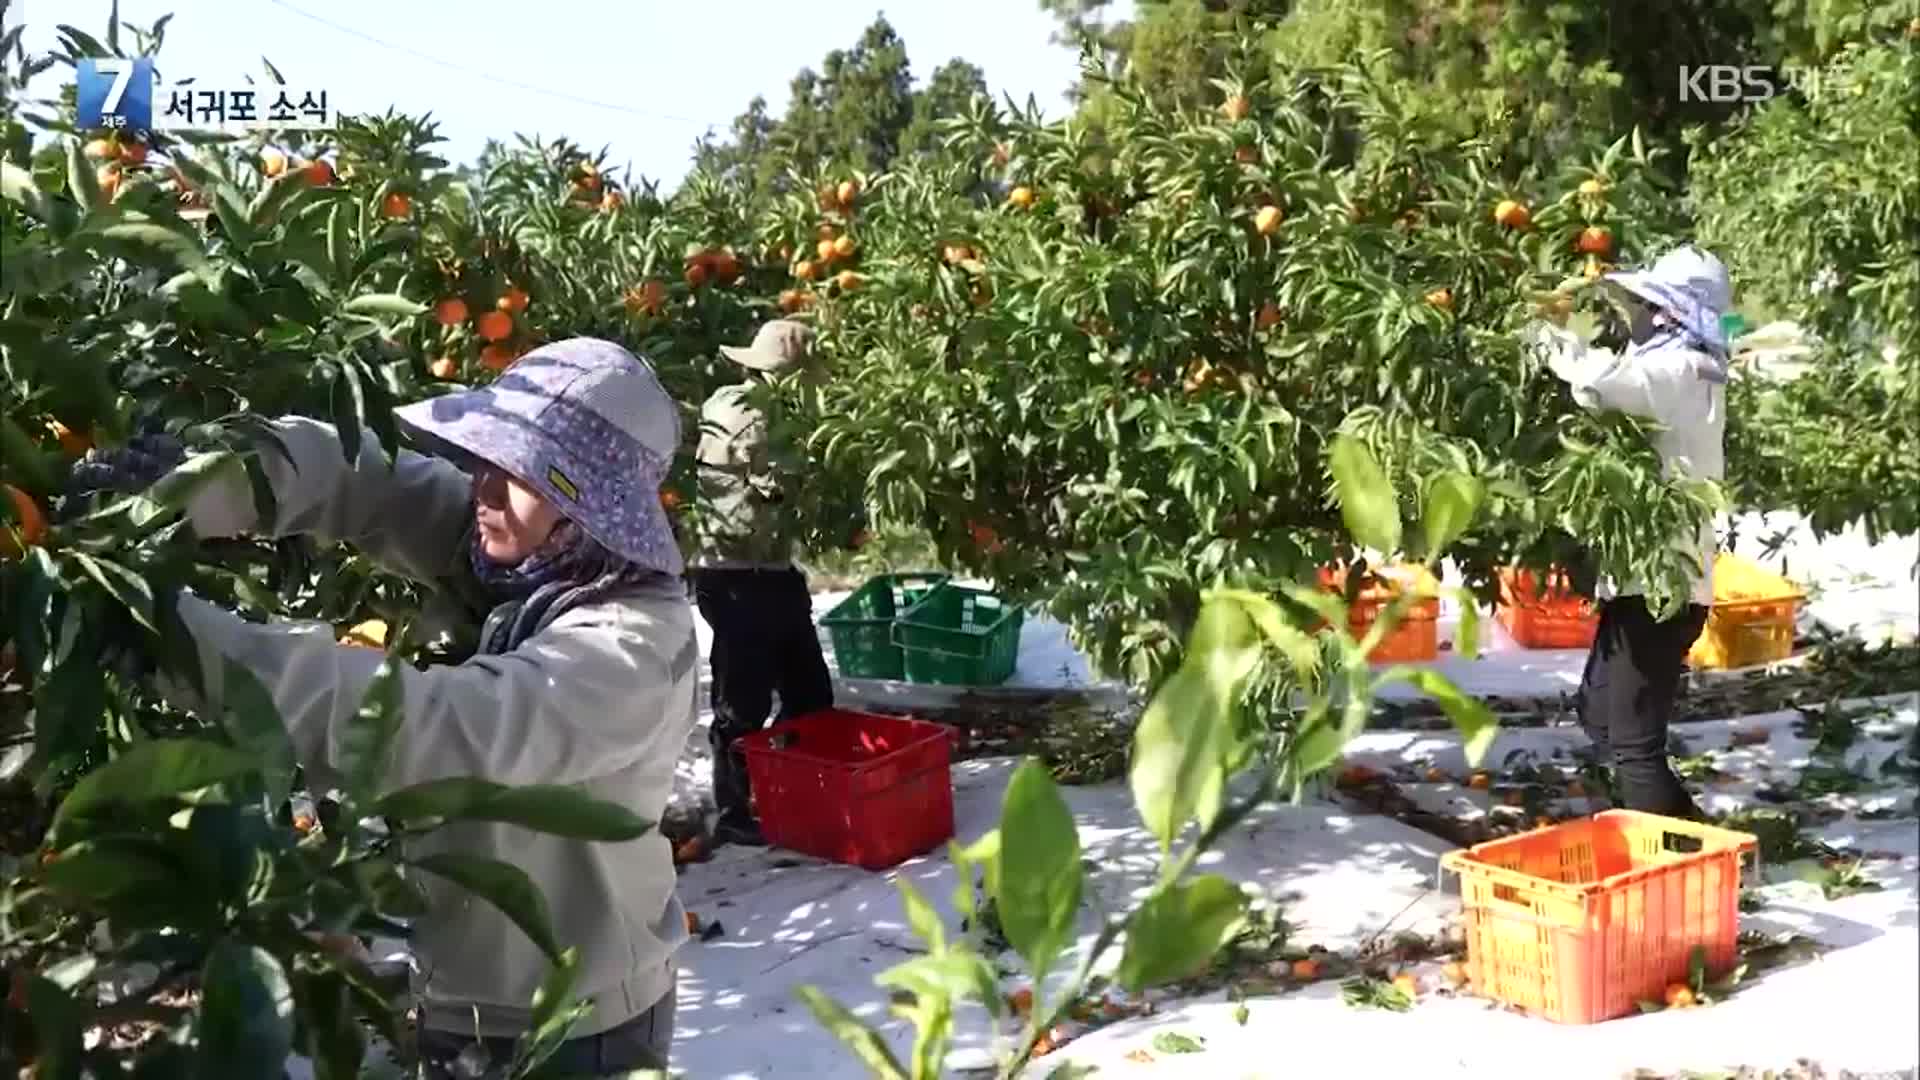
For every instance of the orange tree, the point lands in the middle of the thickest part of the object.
(1102, 364)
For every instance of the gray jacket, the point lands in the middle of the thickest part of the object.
(603, 698)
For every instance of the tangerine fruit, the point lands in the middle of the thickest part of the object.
(494, 325)
(319, 173)
(1679, 996)
(446, 367)
(1306, 969)
(804, 270)
(1236, 107)
(1594, 240)
(396, 205)
(73, 443)
(451, 311)
(513, 301)
(1512, 214)
(1267, 220)
(29, 522)
(1020, 197)
(272, 162)
(497, 357)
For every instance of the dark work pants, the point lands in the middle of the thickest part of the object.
(1627, 698)
(763, 642)
(643, 1042)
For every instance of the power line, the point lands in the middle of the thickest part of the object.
(487, 75)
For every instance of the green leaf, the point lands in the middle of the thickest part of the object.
(371, 732)
(1453, 498)
(157, 769)
(59, 1028)
(333, 1038)
(555, 1013)
(392, 893)
(1176, 932)
(1185, 739)
(866, 1043)
(557, 809)
(1040, 873)
(1367, 500)
(246, 1013)
(383, 304)
(1172, 1042)
(106, 869)
(145, 237)
(252, 721)
(125, 586)
(921, 918)
(1476, 723)
(1466, 635)
(80, 177)
(503, 885)
(18, 187)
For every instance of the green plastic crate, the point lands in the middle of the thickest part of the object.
(861, 626)
(960, 637)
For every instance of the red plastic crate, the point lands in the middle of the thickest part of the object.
(1559, 619)
(855, 788)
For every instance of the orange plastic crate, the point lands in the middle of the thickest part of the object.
(1560, 619)
(1579, 922)
(1417, 636)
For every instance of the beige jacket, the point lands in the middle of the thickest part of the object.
(604, 698)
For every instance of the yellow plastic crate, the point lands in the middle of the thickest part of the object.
(1752, 619)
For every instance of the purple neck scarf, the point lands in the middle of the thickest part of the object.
(568, 570)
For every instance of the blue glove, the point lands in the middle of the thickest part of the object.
(129, 469)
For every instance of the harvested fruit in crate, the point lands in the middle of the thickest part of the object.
(1545, 616)
(1417, 636)
(1752, 619)
(1581, 922)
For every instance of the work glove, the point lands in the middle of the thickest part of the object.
(129, 469)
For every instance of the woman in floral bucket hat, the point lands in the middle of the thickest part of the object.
(1673, 372)
(543, 499)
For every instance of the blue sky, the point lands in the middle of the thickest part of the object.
(674, 69)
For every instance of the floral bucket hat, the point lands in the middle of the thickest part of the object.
(583, 422)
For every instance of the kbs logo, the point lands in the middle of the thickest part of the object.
(115, 93)
(1731, 83)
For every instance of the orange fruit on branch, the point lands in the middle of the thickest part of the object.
(696, 274)
(848, 191)
(1269, 316)
(1512, 214)
(446, 367)
(1020, 198)
(494, 326)
(844, 247)
(1594, 240)
(1267, 220)
(396, 205)
(804, 270)
(825, 250)
(497, 356)
(849, 280)
(1236, 107)
(670, 499)
(28, 521)
(73, 443)
(1592, 188)
(1441, 298)
(451, 311)
(513, 301)
(726, 267)
(318, 173)
(272, 162)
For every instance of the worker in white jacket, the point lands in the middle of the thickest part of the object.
(1674, 373)
(585, 673)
